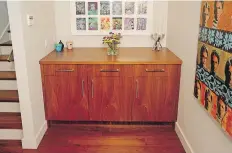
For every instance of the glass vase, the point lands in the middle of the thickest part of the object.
(113, 52)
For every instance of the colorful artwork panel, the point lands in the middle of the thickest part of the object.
(80, 8)
(142, 7)
(92, 8)
(117, 8)
(93, 23)
(141, 23)
(212, 59)
(216, 15)
(129, 24)
(81, 23)
(129, 8)
(213, 80)
(104, 8)
(117, 23)
(105, 23)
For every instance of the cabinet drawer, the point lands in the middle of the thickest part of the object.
(57, 70)
(151, 70)
(111, 70)
(105, 70)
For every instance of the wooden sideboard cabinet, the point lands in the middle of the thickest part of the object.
(87, 85)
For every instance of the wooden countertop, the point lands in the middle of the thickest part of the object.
(99, 56)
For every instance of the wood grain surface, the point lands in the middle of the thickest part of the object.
(106, 139)
(7, 75)
(111, 92)
(9, 96)
(66, 96)
(99, 56)
(10, 120)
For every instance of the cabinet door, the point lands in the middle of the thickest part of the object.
(104, 98)
(110, 93)
(66, 96)
(156, 94)
(142, 105)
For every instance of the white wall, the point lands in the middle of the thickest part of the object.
(63, 28)
(202, 132)
(29, 48)
(3, 20)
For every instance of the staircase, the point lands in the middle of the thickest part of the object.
(10, 117)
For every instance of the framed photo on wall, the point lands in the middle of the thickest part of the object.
(99, 17)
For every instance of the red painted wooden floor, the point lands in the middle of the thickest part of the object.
(105, 139)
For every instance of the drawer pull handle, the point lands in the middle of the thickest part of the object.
(102, 70)
(82, 87)
(137, 89)
(156, 70)
(65, 70)
(92, 89)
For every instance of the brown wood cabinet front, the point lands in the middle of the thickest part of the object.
(66, 94)
(111, 92)
(107, 98)
(157, 91)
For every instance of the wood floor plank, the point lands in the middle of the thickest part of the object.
(7, 75)
(106, 139)
(9, 96)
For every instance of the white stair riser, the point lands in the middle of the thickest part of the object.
(5, 50)
(8, 85)
(11, 134)
(7, 66)
(9, 107)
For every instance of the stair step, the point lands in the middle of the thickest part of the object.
(8, 43)
(4, 143)
(9, 96)
(9, 107)
(7, 75)
(10, 121)
(3, 57)
(11, 134)
(7, 66)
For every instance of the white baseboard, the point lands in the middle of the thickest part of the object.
(8, 85)
(9, 107)
(33, 142)
(40, 134)
(183, 139)
(11, 134)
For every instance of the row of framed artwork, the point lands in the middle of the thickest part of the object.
(215, 105)
(104, 7)
(118, 23)
(100, 17)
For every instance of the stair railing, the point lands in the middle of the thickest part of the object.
(10, 58)
(5, 30)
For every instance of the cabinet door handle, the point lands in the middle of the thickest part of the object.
(65, 70)
(82, 87)
(155, 70)
(137, 89)
(116, 70)
(92, 89)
